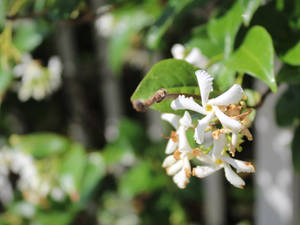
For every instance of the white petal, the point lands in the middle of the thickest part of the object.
(186, 120)
(205, 82)
(171, 118)
(205, 158)
(184, 145)
(196, 58)
(241, 166)
(169, 161)
(208, 139)
(180, 179)
(202, 125)
(232, 177)
(171, 146)
(227, 121)
(188, 103)
(234, 139)
(175, 168)
(186, 164)
(204, 171)
(231, 96)
(219, 145)
(55, 65)
(178, 51)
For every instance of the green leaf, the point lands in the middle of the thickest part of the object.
(40, 144)
(54, 217)
(173, 75)
(140, 179)
(94, 171)
(3, 7)
(249, 8)
(157, 31)
(292, 56)
(296, 150)
(27, 36)
(287, 107)
(222, 31)
(72, 169)
(289, 74)
(256, 56)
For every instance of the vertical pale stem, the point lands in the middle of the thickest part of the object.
(274, 172)
(109, 86)
(214, 199)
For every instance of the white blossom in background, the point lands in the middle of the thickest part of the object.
(37, 82)
(194, 57)
(104, 25)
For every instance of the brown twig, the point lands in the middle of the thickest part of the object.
(161, 94)
(262, 99)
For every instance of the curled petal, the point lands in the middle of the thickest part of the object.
(234, 139)
(178, 51)
(231, 96)
(227, 121)
(202, 125)
(187, 103)
(174, 168)
(205, 82)
(219, 145)
(169, 161)
(241, 166)
(181, 179)
(196, 58)
(171, 118)
(171, 146)
(204, 171)
(186, 120)
(184, 145)
(232, 177)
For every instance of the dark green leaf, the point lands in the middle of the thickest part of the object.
(292, 56)
(40, 144)
(249, 8)
(174, 75)
(256, 57)
(289, 74)
(287, 107)
(6, 78)
(54, 217)
(296, 150)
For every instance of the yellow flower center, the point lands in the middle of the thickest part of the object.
(208, 108)
(218, 161)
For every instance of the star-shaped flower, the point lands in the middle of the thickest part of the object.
(217, 159)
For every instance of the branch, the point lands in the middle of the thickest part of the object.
(160, 95)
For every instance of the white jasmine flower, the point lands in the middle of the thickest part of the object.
(194, 57)
(178, 139)
(105, 25)
(216, 159)
(211, 108)
(36, 81)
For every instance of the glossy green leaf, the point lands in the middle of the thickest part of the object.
(94, 171)
(27, 36)
(288, 106)
(54, 217)
(296, 149)
(72, 169)
(292, 56)
(289, 74)
(249, 8)
(40, 144)
(255, 56)
(177, 76)
(222, 31)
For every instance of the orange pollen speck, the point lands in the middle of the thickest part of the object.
(187, 172)
(174, 136)
(196, 152)
(176, 155)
